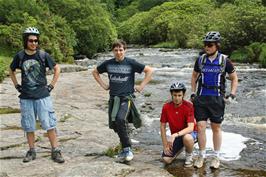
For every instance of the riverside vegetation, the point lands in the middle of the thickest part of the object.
(74, 27)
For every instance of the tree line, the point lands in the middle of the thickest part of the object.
(71, 27)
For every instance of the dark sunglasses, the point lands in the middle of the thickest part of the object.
(33, 40)
(208, 44)
(120, 50)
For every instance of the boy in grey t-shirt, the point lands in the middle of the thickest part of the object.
(121, 73)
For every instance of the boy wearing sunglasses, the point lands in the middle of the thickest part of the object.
(121, 74)
(209, 77)
(35, 100)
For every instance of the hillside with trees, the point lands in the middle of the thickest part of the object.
(74, 27)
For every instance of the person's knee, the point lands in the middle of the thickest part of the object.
(168, 160)
(216, 128)
(201, 127)
(187, 139)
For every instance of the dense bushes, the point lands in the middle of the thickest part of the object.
(91, 22)
(88, 26)
(67, 27)
(184, 23)
(256, 52)
(56, 35)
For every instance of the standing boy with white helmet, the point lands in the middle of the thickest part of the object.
(209, 73)
(35, 100)
(179, 114)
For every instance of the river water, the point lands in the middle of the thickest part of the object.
(244, 129)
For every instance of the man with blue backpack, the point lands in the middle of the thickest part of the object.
(35, 100)
(209, 76)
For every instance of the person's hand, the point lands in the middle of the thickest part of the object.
(168, 149)
(138, 88)
(172, 139)
(106, 87)
(50, 87)
(19, 88)
(231, 98)
(192, 97)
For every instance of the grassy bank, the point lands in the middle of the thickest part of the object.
(4, 65)
(254, 53)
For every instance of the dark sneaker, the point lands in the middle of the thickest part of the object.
(57, 156)
(31, 155)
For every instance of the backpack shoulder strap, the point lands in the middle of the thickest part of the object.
(202, 61)
(21, 55)
(222, 62)
(42, 55)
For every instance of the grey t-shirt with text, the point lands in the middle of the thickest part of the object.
(121, 75)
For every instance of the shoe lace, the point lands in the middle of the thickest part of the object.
(29, 153)
(57, 154)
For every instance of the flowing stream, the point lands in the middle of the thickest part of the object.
(244, 129)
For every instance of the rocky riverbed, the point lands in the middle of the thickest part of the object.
(83, 135)
(81, 108)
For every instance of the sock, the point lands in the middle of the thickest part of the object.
(188, 154)
(202, 153)
(55, 149)
(217, 153)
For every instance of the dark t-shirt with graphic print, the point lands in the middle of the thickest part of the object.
(33, 75)
(121, 75)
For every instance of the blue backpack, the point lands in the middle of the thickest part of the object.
(221, 64)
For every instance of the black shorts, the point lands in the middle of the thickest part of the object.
(211, 107)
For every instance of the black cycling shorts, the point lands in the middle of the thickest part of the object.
(209, 107)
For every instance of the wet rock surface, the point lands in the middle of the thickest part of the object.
(83, 134)
(81, 107)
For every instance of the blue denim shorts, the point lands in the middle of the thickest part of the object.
(41, 109)
(178, 144)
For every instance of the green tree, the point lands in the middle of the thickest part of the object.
(91, 22)
(56, 35)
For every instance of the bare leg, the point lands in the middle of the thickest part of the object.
(52, 138)
(188, 143)
(202, 134)
(217, 136)
(31, 139)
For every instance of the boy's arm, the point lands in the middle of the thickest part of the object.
(163, 134)
(148, 75)
(187, 130)
(98, 78)
(193, 81)
(166, 146)
(56, 75)
(234, 82)
(13, 77)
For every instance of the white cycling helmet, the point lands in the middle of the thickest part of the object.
(31, 30)
(177, 87)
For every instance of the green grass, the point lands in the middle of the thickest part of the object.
(112, 151)
(169, 44)
(152, 82)
(147, 94)
(4, 65)
(9, 110)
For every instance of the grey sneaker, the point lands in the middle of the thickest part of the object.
(215, 163)
(31, 155)
(199, 162)
(126, 154)
(189, 161)
(57, 156)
